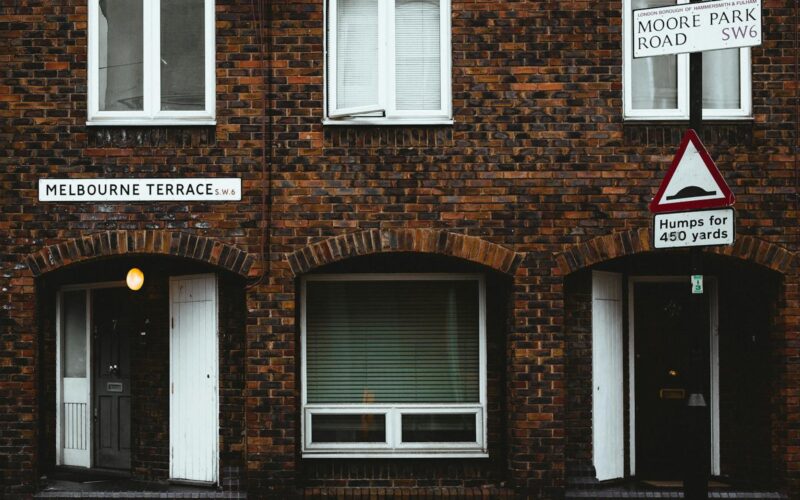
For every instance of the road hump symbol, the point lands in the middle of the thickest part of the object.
(693, 181)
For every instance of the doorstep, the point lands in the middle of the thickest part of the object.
(660, 489)
(127, 488)
(460, 492)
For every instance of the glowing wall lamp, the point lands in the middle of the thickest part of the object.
(135, 278)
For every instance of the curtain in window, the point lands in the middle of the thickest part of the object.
(417, 55)
(721, 79)
(183, 65)
(655, 79)
(392, 342)
(121, 52)
(356, 53)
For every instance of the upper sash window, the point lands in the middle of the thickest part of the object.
(388, 61)
(151, 62)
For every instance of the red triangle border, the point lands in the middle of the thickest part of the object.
(728, 198)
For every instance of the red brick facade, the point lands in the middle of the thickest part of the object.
(538, 180)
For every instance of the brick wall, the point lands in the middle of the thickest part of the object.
(578, 416)
(539, 162)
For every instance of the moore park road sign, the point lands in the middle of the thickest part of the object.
(696, 27)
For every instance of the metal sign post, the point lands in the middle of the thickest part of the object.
(695, 482)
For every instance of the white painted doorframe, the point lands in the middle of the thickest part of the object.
(713, 304)
(85, 458)
(194, 378)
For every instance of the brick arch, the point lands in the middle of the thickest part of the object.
(625, 243)
(373, 241)
(150, 242)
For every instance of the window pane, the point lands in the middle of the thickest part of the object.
(655, 79)
(417, 54)
(356, 53)
(120, 55)
(392, 342)
(721, 79)
(183, 55)
(368, 428)
(439, 428)
(74, 333)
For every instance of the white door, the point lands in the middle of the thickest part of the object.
(73, 431)
(607, 400)
(193, 409)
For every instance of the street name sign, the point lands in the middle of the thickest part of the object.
(694, 229)
(145, 189)
(696, 27)
(693, 181)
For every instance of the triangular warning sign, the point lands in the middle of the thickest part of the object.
(693, 181)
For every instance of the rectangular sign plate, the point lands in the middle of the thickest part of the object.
(694, 229)
(697, 283)
(697, 27)
(153, 189)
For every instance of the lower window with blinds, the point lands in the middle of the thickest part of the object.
(393, 365)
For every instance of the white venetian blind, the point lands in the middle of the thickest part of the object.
(392, 342)
(417, 55)
(356, 58)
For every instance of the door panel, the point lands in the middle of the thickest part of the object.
(663, 348)
(608, 422)
(193, 378)
(112, 326)
(73, 380)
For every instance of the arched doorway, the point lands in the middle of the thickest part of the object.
(631, 333)
(140, 383)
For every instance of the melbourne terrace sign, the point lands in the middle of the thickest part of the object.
(121, 190)
(696, 27)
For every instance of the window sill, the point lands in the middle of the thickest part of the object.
(683, 120)
(149, 123)
(403, 454)
(388, 121)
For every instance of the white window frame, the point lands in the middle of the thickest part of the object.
(386, 105)
(682, 111)
(151, 113)
(393, 446)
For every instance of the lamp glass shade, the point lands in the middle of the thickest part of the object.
(135, 278)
